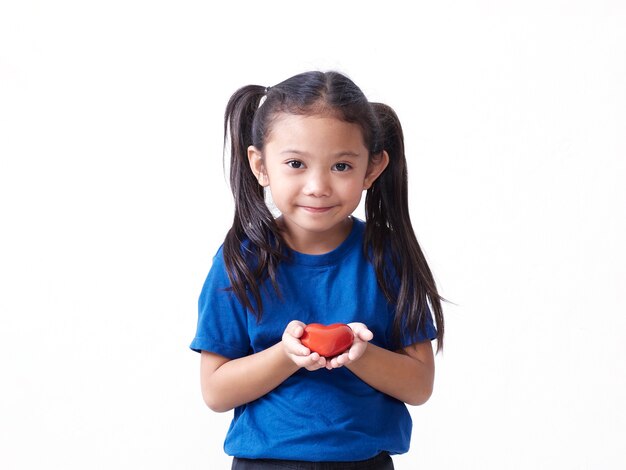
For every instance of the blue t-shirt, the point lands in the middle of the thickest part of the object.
(320, 415)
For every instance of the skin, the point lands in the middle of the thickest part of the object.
(317, 168)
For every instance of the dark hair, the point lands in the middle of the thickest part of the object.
(254, 246)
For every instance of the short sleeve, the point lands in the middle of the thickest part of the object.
(222, 320)
(426, 332)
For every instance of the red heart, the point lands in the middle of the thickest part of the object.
(327, 341)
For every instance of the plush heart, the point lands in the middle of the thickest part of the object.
(327, 340)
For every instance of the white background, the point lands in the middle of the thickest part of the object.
(113, 201)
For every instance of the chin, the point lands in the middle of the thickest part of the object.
(316, 226)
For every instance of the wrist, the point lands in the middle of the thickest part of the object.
(286, 357)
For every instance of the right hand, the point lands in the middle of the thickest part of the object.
(296, 351)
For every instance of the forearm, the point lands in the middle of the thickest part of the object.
(399, 375)
(239, 381)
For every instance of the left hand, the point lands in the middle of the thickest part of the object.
(362, 335)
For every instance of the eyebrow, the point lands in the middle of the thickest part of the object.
(343, 153)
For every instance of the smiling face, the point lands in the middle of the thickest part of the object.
(317, 168)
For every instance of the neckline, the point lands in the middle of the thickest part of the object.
(333, 256)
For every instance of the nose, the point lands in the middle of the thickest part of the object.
(317, 184)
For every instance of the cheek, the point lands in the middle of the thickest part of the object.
(281, 192)
(354, 188)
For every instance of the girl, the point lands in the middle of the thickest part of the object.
(315, 143)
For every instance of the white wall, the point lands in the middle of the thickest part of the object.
(112, 202)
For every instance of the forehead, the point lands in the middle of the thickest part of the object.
(314, 132)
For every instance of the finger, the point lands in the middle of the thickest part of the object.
(334, 363)
(343, 359)
(294, 346)
(356, 351)
(365, 334)
(361, 331)
(321, 363)
(296, 328)
(314, 362)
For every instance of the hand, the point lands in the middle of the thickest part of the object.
(296, 351)
(361, 337)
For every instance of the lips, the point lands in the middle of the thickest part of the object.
(316, 209)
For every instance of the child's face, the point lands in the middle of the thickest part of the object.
(317, 168)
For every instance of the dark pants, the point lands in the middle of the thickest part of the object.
(381, 462)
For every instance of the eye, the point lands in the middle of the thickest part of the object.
(342, 167)
(295, 164)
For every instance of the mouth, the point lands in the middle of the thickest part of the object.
(316, 210)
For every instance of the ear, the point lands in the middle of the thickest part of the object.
(255, 159)
(375, 167)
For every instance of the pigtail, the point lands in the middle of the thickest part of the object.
(388, 221)
(252, 247)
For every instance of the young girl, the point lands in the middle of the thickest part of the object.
(315, 142)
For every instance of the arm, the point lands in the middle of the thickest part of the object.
(407, 374)
(229, 383)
